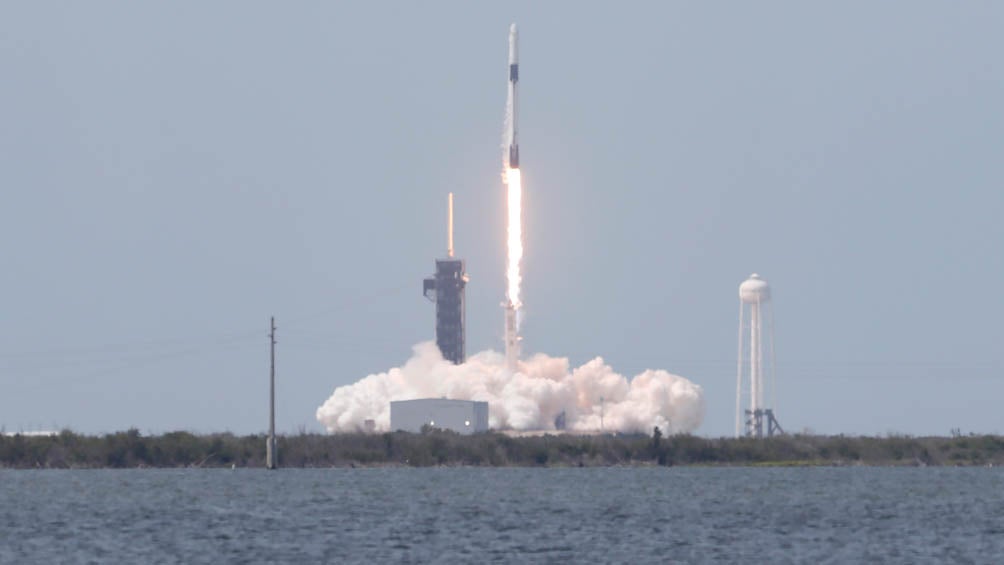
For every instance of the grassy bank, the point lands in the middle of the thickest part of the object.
(181, 449)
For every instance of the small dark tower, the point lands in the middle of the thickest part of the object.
(446, 289)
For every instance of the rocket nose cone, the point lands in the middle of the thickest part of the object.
(512, 29)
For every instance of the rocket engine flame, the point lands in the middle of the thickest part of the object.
(514, 237)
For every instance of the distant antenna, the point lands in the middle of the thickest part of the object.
(449, 226)
(270, 452)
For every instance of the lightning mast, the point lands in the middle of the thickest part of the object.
(446, 289)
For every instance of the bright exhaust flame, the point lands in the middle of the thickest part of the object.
(514, 236)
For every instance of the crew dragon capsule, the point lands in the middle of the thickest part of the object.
(513, 80)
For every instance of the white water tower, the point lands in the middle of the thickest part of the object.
(755, 371)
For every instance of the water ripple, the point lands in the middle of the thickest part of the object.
(836, 515)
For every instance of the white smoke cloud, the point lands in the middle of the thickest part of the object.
(527, 400)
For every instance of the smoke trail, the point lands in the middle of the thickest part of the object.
(592, 396)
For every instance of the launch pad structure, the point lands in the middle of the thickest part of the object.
(512, 338)
(756, 420)
(447, 289)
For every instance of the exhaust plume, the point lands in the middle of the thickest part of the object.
(514, 237)
(592, 396)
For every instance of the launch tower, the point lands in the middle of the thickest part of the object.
(446, 289)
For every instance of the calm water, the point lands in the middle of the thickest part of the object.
(837, 515)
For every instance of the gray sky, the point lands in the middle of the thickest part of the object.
(172, 174)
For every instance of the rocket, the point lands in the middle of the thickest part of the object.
(510, 155)
(513, 80)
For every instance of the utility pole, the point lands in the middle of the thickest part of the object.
(271, 456)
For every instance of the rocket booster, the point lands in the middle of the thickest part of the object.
(510, 155)
(513, 80)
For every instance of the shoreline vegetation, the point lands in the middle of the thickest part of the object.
(130, 449)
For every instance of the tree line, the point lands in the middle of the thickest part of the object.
(130, 449)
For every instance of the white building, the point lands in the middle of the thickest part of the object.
(461, 416)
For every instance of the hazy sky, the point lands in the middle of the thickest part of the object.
(173, 174)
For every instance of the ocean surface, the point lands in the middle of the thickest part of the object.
(458, 515)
